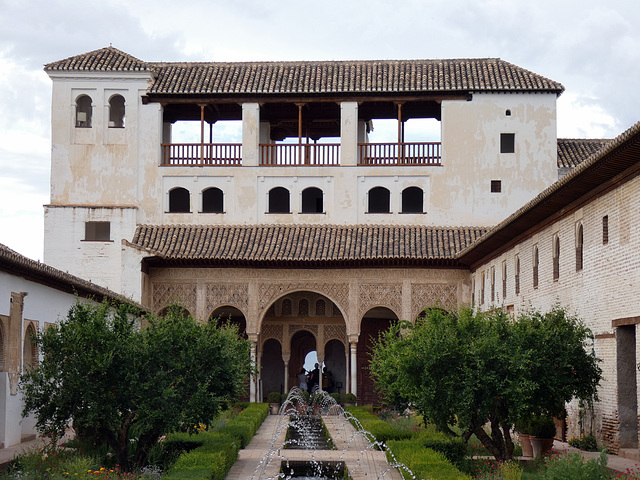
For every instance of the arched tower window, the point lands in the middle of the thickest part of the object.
(29, 349)
(412, 200)
(83, 111)
(556, 258)
(536, 259)
(116, 111)
(579, 247)
(279, 200)
(286, 306)
(312, 201)
(179, 201)
(212, 200)
(517, 275)
(320, 308)
(379, 200)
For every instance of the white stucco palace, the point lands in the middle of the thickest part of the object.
(311, 235)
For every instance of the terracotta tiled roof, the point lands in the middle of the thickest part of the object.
(303, 244)
(16, 264)
(318, 77)
(572, 151)
(105, 59)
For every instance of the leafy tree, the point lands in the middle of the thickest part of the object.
(473, 369)
(111, 378)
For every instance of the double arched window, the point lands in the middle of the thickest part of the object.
(279, 201)
(83, 111)
(312, 200)
(412, 200)
(212, 200)
(179, 200)
(379, 200)
(116, 111)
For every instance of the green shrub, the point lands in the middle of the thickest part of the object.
(543, 427)
(273, 397)
(336, 397)
(454, 448)
(587, 442)
(423, 462)
(572, 466)
(349, 398)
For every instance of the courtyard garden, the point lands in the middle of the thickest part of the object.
(162, 401)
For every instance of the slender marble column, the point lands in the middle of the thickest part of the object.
(354, 373)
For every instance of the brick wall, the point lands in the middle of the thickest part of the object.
(604, 290)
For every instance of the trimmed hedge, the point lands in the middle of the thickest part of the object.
(210, 455)
(423, 462)
(381, 430)
(428, 453)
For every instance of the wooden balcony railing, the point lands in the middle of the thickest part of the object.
(198, 155)
(315, 154)
(419, 153)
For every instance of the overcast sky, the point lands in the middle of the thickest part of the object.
(592, 49)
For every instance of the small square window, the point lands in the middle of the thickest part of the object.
(496, 186)
(507, 142)
(97, 231)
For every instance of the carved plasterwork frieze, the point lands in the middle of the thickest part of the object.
(271, 291)
(335, 332)
(380, 295)
(272, 330)
(293, 328)
(429, 295)
(233, 295)
(183, 294)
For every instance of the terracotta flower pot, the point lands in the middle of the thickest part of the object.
(525, 442)
(541, 446)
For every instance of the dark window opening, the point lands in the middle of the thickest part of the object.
(312, 201)
(579, 248)
(97, 231)
(212, 200)
(179, 201)
(605, 229)
(116, 111)
(508, 113)
(507, 142)
(517, 276)
(496, 186)
(379, 200)
(556, 258)
(535, 267)
(279, 200)
(412, 200)
(504, 280)
(83, 111)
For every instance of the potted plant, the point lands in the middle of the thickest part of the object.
(274, 402)
(349, 400)
(542, 431)
(523, 427)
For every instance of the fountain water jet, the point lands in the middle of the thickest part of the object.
(356, 448)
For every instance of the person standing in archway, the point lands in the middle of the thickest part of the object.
(314, 378)
(302, 379)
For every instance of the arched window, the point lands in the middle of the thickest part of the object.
(212, 200)
(179, 201)
(412, 200)
(535, 266)
(312, 200)
(279, 200)
(579, 247)
(556, 257)
(320, 308)
(116, 111)
(504, 279)
(517, 275)
(286, 306)
(29, 349)
(379, 200)
(303, 307)
(83, 111)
